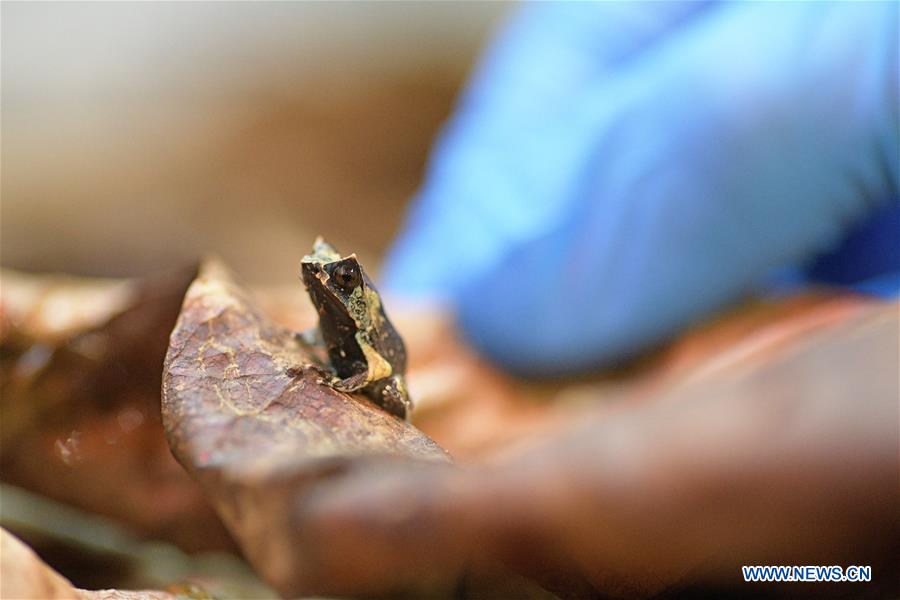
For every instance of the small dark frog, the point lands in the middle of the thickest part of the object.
(364, 351)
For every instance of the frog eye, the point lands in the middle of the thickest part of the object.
(347, 276)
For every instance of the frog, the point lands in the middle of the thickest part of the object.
(359, 346)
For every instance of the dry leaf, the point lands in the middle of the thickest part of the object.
(24, 576)
(257, 426)
(789, 458)
(81, 365)
(131, 595)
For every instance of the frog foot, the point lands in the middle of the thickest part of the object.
(391, 395)
(354, 383)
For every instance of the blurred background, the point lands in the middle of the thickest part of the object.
(139, 135)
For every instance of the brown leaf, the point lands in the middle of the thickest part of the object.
(23, 575)
(257, 426)
(787, 460)
(126, 595)
(81, 365)
(443, 371)
(466, 405)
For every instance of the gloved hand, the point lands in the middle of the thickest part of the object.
(616, 171)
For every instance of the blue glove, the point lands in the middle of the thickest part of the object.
(616, 171)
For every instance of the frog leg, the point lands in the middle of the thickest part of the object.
(391, 394)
